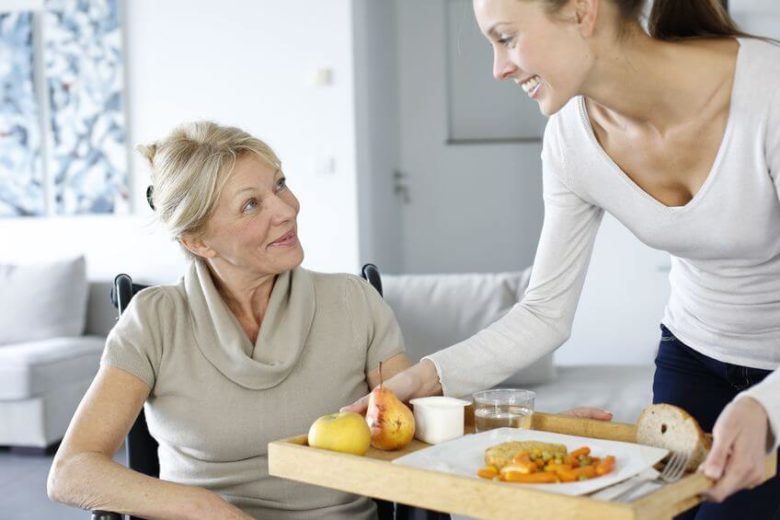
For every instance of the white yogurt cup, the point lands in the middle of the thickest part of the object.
(438, 419)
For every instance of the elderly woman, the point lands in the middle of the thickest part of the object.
(247, 348)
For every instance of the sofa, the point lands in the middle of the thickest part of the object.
(435, 311)
(53, 325)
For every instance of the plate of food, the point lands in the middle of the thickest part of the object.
(547, 461)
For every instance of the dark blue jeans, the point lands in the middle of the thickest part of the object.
(704, 386)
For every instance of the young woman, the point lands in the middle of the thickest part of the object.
(675, 132)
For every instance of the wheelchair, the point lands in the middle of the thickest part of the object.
(141, 447)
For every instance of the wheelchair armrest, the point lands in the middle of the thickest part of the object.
(106, 515)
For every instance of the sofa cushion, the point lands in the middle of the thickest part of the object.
(39, 367)
(41, 301)
(436, 311)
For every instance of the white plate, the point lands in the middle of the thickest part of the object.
(465, 455)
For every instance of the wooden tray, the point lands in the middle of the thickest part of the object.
(373, 475)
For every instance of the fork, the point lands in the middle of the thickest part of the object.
(672, 472)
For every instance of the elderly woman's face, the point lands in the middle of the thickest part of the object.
(254, 224)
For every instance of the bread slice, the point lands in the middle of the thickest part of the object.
(671, 427)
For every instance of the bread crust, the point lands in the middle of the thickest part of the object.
(668, 426)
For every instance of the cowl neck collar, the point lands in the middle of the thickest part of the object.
(280, 342)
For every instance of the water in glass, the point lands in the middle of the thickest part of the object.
(487, 417)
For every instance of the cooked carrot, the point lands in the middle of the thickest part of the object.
(566, 475)
(488, 472)
(574, 474)
(555, 467)
(534, 478)
(605, 466)
(522, 458)
(603, 470)
(525, 469)
(586, 471)
(580, 452)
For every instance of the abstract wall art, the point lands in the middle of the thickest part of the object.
(63, 143)
(21, 170)
(84, 84)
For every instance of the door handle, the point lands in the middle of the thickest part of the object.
(400, 186)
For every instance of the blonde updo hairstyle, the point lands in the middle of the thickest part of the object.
(190, 168)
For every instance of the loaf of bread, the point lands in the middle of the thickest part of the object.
(671, 427)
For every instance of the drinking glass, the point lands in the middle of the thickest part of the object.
(503, 407)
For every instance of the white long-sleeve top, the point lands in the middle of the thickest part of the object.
(724, 244)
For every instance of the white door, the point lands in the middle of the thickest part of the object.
(471, 207)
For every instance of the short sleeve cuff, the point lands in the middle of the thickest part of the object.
(445, 387)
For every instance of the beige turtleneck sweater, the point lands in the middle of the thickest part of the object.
(217, 400)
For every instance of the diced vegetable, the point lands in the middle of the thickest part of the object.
(580, 451)
(605, 466)
(556, 467)
(488, 472)
(545, 467)
(535, 478)
(525, 469)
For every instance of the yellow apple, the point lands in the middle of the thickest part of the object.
(346, 432)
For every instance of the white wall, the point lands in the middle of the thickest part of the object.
(760, 17)
(248, 64)
(377, 133)
(622, 302)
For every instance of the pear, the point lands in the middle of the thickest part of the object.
(391, 422)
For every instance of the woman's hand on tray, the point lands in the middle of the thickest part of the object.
(420, 380)
(736, 460)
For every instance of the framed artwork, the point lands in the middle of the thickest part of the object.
(76, 158)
